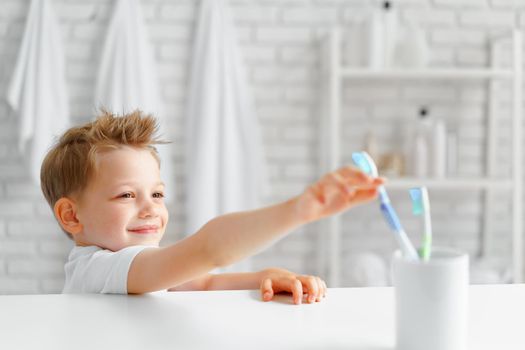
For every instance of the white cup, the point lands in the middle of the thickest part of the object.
(431, 301)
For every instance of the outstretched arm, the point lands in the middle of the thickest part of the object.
(232, 237)
(221, 242)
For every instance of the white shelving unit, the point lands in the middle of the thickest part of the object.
(334, 73)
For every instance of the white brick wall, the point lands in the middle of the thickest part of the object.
(279, 40)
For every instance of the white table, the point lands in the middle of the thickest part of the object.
(360, 318)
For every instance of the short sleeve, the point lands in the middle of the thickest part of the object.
(99, 271)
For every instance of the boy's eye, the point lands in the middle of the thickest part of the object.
(126, 195)
(158, 195)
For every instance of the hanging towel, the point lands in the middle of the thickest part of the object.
(37, 91)
(225, 162)
(127, 79)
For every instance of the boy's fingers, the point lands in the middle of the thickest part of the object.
(321, 293)
(357, 177)
(266, 289)
(350, 172)
(374, 182)
(348, 181)
(379, 180)
(313, 288)
(339, 182)
(357, 192)
(297, 292)
(365, 195)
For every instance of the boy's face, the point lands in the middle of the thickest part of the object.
(123, 203)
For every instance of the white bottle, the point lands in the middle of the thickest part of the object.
(390, 30)
(452, 154)
(420, 155)
(420, 161)
(374, 47)
(439, 149)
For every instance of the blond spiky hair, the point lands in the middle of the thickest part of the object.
(71, 162)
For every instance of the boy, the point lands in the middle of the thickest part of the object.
(102, 181)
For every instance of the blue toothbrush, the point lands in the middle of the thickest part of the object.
(367, 165)
(421, 206)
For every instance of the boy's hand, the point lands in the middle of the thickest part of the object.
(336, 192)
(279, 280)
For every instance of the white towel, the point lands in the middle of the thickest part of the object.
(37, 91)
(127, 77)
(225, 162)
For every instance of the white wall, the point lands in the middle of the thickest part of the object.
(279, 39)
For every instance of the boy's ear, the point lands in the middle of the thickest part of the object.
(66, 213)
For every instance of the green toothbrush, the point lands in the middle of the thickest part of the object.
(421, 206)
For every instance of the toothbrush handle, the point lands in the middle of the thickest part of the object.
(402, 239)
(391, 217)
(426, 247)
(383, 196)
(406, 246)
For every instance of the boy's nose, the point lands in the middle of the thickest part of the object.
(148, 210)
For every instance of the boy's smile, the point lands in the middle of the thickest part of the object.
(144, 229)
(123, 204)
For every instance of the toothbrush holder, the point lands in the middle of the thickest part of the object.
(431, 299)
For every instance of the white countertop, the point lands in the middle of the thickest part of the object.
(349, 318)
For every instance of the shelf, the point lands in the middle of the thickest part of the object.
(430, 73)
(334, 73)
(452, 184)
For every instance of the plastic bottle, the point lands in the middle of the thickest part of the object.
(390, 32)
(439, 149)
(452, 154)
(374, 41)
(381, 37)
(420, 157)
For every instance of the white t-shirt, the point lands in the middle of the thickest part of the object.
(95, 270)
